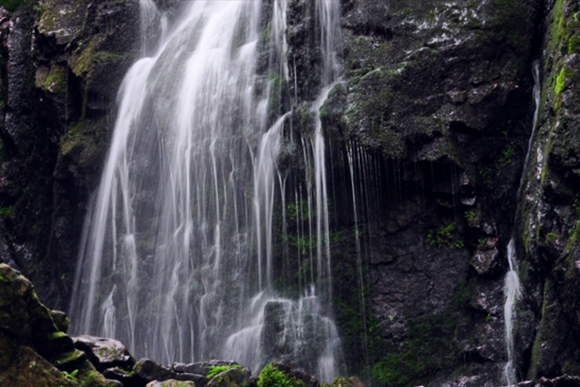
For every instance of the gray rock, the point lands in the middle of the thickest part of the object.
(170, 383)
(234, 377)
(200, 368)
(104, 353)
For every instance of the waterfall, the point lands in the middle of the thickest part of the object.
(177, 257)
(512, 281)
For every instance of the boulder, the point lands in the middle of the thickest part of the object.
(34, 351)
(200, 368)
(308, 380)
(149, 371)
(171, 383)
(234, 377)
(104, 353)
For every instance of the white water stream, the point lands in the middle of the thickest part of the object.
(177, 257)
(512, 280)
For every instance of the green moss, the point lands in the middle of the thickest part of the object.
(53, 80)
(571, 367)
(72, 375)
(429, 348)
(83, 141)
(505, 157)
(469, 215)
(68, 360)
(432, 346)
(217, 369)
(270, 376)
(6, 212)
(88, 376)
(541, 334)
(508, 21)
(341, 381)
(560, 80)
(85, 59)
(12, 5)
(444, 237)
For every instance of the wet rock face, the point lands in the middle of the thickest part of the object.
(549, 333)
(62, 64)
(435, 109)
(436, 106)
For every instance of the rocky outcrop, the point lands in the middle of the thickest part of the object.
(430, 123)
(34, 351)
(428, 128)
(548, 330)
(62, 64)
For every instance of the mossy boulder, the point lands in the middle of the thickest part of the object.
(34, 351)
(550, 216)
(233, 377)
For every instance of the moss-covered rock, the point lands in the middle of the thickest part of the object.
(34, 352)
(29, 369)
(61, 64)
(431, 123)
(551, 209)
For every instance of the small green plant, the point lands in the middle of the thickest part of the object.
(551, 237)
(506, 156)
(217, 369)
(271, 376)
(71, 375)
(469, 215)
(6, 212)
(444, 236)
(12, 5)
(339, 381)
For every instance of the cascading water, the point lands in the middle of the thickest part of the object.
(512, 281)
(177, 255)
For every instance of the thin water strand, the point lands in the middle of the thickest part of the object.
(512, 289)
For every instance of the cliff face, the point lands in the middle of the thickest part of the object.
(548, 329)
(438, 100)
(62, 64)
(428, 131)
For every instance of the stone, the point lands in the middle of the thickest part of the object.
(234, 377)
(29, 369)
(200, 368)
(104, 353)
(60, 320)
(171, 383)
(150, 370)
(276, 343)
(34, 352)
(308, 380)
(563, 381)
(124, 377)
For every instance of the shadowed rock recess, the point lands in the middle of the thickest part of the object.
(426, 134)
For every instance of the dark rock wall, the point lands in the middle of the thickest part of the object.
(62, 63)
(549, 314)
(437, 102)
(430, 129)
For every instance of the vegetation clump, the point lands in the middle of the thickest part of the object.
(12, 5)
(444, 236)
(218, 369)
(270, 376)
